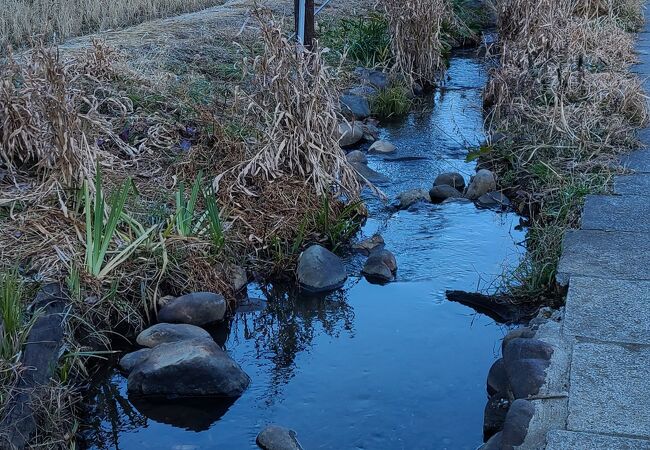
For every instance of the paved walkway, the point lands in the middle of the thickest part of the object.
(607, 317)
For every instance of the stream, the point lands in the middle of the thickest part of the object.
(368, 367)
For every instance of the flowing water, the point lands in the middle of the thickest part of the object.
(369, 367)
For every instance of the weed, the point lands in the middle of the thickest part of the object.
(11, 314)
(393, 101)
(365, 39)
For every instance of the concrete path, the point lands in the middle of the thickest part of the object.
(607, 318)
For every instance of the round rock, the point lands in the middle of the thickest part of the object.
(320, 270)
(350, 134)
(130, 360)
(482, 183)
(452, 179)
(198, 308)
(408, 198)
(382, 147)
(443, 192)
(355, 106)
(386, 257)
(275, 437)
(163, 333)
(497, 380)
(187, 369)
(367, 246)
(493, 200)
(516, 424)
(357, 156)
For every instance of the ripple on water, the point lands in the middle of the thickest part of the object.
(369, 367)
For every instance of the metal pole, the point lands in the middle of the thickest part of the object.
(305, 23)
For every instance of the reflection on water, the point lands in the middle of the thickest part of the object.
(369, 367)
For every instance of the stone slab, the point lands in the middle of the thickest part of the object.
(568, 440)
(610, 392)
(632, 185)
(608, 310)
(613, 213)
(639, 160)
(604, 254)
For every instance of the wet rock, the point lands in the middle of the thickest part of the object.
(482, 183)
(494, 443)
(355, 106)
(378, 79)
(497, 380)
(377, 271)
(456, 200)
(516, 425)
(362, 91)
(408, 198)
(239, 278)
(526, 361)
(351, 133)
(365, 173)
(523, 332)
(493, 200)
(526, 376)
(162, 333)
(443, 192)
(370, 132)
(526, 348)
(357, 156)
(385, 256)
(452, 179)
(320, 270)
(368, 245)
(495, 413)
(275, 437)
(187, 369)
(130, 360)
(198, 308)
(382, 147)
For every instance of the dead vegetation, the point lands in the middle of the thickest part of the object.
(20, 20)
(562, 105)
(94, 157)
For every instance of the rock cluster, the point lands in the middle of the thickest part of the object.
(512, 381)
(180, 359)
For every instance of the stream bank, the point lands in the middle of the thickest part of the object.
(368, 366)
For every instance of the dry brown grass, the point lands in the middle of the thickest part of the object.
(565, 99)
(291, 98)
(416, 29)
(20, 20)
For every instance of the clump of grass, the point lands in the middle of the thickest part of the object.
(364, 40)
(394, 101)
(12, 316)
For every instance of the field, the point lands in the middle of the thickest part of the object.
(57, 20)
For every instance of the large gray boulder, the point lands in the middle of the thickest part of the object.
(526, 361)
(187, 369)
(320, 270)
(355, 106)
(516, 424)
(482, 183)
(162, 333)
(443, 192)
(408, 198)
(378, 79)
(275, 437)
(198, 308)
(452, 179)
(351, 133)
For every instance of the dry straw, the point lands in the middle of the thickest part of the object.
(291, 97)
(416, 29)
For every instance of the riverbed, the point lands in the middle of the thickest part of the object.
(368, 367)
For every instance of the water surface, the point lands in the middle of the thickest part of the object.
(369, 367)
